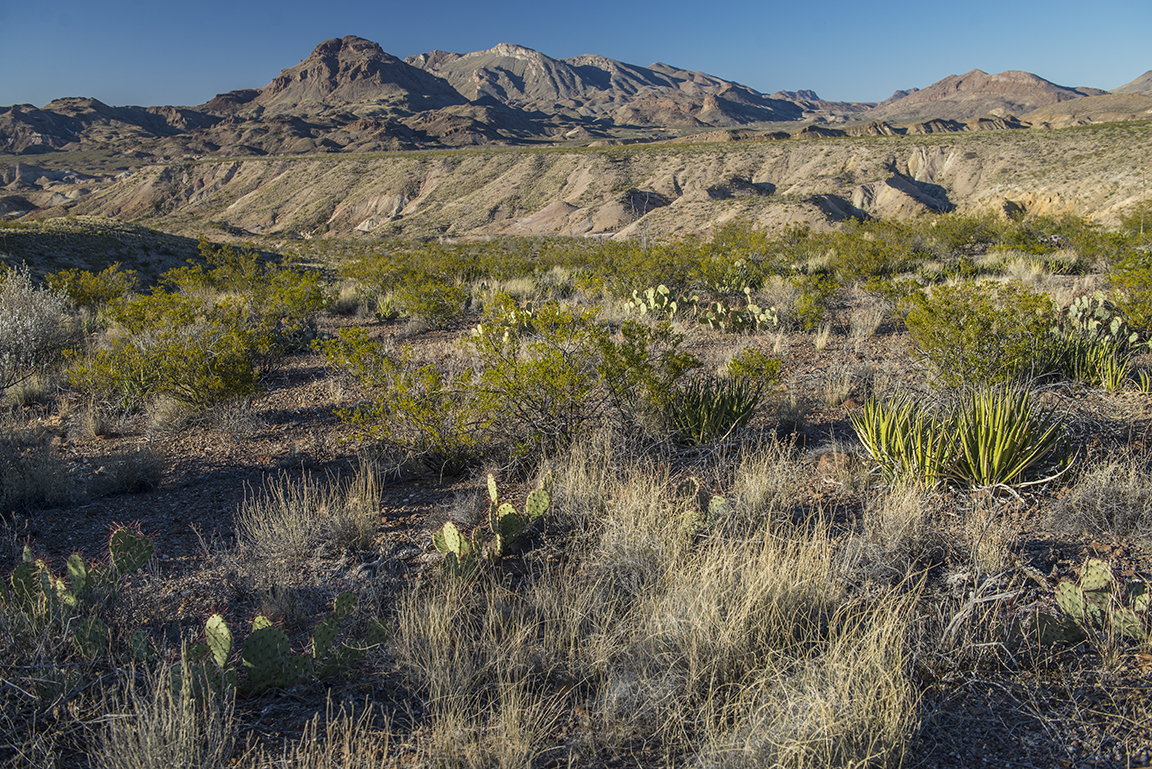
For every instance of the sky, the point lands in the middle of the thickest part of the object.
(183, 53)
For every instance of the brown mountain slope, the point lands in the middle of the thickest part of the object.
(1141, 85)
(974, 95)
(1106, 108)
(351, 72)
(653, 190)
(596, 87)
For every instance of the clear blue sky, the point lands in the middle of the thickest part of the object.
(151, 53)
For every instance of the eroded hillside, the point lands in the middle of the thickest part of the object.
(634, 191)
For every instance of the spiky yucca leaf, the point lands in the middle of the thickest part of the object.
(1001, 436)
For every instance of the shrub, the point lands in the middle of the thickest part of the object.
(426, 414)
(540, 388)
(1131, 275)
(815, 297)
(430, 300)
(93, 290)
(981, 332)
(754, 364)
(32, 326)
(200, 364)
(641, 370)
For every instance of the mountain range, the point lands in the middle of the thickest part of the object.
(350, 95)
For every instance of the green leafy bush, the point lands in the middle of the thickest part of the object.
(424, 413)
(1131, 275)
(754, 364)
(93, 290)
(981, 332)
(198, 361)
(640, 372)
(430, 300)
(815, 297)
(541, 387)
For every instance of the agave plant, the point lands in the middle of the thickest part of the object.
(996, 437)
(709, 408)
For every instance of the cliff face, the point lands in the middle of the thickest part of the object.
(650, 190)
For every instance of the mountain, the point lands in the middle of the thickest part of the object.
(348, 72)
(349, 95)
(1140, 86)
(597, 88)
(975, 94)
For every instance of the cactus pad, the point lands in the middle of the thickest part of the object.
(1095, 575)
(536, 505)
(219, 639)
(343, 605)
(129, 550)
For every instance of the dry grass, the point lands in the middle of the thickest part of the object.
(729, 650)
(149, 726)
(897, 538)
(32, 472)
(335, 739)
(1114, 498)
(132, 471)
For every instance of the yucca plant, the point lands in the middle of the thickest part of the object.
(1096, 361)
(1001, 437)
(709, 408)
(907, 441)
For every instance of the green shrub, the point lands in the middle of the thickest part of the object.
(200, 364)
(1131, 275)
(418, 410)
(981, 332)
(93, 290)
(540, 388)
(816, 295)
(753, 364)
(430, 300)
(640, 372)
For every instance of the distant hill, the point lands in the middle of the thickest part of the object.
(974, 95)
(349, 95)
(1141, 85)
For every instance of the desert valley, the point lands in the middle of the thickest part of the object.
(491, 409)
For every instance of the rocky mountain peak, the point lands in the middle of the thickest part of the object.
(352, 70)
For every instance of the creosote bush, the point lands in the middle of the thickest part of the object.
(981, 332)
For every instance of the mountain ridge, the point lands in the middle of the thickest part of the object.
(349, 94)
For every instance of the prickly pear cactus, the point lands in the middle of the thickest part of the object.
(267, 657)
(129, 550)
(219, 640)
(1094, 603)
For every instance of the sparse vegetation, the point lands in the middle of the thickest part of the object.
(539, 528)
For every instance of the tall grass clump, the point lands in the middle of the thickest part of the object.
(150, 725)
